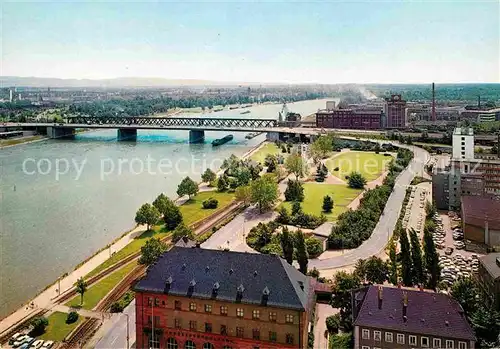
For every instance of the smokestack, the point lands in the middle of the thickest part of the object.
(433, 116)
(478, 102)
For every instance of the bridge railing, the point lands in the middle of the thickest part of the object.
(175, 122)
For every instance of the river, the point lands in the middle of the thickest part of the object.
(63, 200)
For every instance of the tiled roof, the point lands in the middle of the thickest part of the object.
(490, 264)
(201, 273)
(427, 313)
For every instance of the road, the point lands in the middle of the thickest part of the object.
(385, 226)
(116, 336)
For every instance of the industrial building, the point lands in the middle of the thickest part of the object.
(395, 111)
(363, 119)
(481, 219)
(488, 278)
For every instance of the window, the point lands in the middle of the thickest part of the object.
(154, 341)
(178, 323)
(449, 344)
(239, 312)
(208, 308)
(192, 325)
(424, 341)
(388, 337)
(400, 338)
(462, 345)
(208, 346)
(223, 330)
(240, 331)
(192, 306)
(171, 343)
(436, 343)
(256, 333)
(189, 345)
(177, 305)
(289, 338)
(412, 340)
(150, 301)
(366, 334)
(223, 310)
(289, 319)
(156, 319)
(365, 347)
(377, 336)
(157, 302)
(272, 316)
(208, 327)
(256, 314)
(272, 336)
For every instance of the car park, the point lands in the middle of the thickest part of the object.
(15, 337)
(27, 343)
(20, 340)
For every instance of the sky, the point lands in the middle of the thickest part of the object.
(295, 42)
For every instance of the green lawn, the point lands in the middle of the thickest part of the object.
(313, 198)
(193, 212)
(268, 148)
(369, 164)
(96, 292)
(58, 329)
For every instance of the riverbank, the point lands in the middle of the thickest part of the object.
(7, 143)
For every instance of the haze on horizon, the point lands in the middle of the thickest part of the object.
(334, 42)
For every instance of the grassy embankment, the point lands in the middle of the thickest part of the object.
(268, 148)
(58, 329)
(313, 198)
(369, 164)
(191, 211)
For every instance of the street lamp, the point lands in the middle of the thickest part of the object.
(128, 336)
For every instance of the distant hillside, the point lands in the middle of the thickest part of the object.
(10, 81)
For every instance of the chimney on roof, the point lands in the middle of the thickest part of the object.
(169, 280)
(301, 284)
(405, 305)
(216, 287)
(380, 292)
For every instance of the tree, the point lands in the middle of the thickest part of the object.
(147, 214)
(314, 247)
(341, 295)
(486, 324)
(393, 264)
(283, 215)
(264, 192)
(406, 262)
(72, 317)
(222, 183)
(333, 323)
(313, 273)
(271, 162)
(321, 172)
(81, 288)
(39, 324)
(302, 255)
(294, 191)
(431, 259)
(296, 165)
(416, 258)
(356, 180)
(210, 203)
(375, 270)
(151, 251)
(322, 147)
(287, 245)
(208, 176)
(169, 210)
(327, 204)
(243, 176)
(244, 194)
(296, 208)
(187, 187)
(181, 231)
(465, 292)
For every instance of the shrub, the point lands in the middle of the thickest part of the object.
(294, 191)
(72, 317)
(314, 247)
(210, 203)
(116, 307)
(336, 169)
(356, 180)
(327, 204)
(39, 324)
(333, 323)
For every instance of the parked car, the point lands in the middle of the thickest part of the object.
(48, 344)
(27, 343)
(20, 340)
(15, 337)
(37, 344)
(448, 250)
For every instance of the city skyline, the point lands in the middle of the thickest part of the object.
(383, 42)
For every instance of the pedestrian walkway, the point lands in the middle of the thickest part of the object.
(83, 312)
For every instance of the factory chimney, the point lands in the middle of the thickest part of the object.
(479, 102)
(433, 116)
